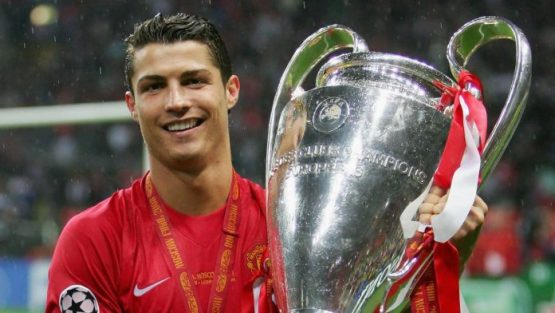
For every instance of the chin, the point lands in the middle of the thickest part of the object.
(186, 160)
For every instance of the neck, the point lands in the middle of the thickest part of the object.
(196, 192)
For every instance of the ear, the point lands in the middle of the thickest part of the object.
(131, 106)
(232, 91)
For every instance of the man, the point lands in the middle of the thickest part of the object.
(189, 236)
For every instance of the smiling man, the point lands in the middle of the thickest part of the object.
(188, 236)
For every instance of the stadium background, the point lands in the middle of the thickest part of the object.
(68, 52)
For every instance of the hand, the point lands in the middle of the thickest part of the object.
(434, 203)
(465, 238)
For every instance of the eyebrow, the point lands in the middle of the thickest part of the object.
(185, 74)
(150, 78)
(195, 73)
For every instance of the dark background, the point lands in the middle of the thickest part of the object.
(48, 174)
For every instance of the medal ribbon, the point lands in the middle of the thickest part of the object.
(173, 255)
(438, 288)
(459, 168)
(266, 305)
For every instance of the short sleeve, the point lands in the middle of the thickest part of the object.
(84, 272)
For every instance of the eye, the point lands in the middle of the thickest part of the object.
(194, 82)
(152, 87)
(155, 86)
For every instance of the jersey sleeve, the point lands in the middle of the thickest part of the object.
(84, 272)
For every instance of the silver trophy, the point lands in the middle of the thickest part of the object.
(345, 158)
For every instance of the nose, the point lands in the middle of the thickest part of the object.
(177, 98)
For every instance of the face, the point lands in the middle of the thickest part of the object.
(181, 103)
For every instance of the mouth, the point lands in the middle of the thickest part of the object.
(183, 125)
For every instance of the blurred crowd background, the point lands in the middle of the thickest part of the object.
(66, 52)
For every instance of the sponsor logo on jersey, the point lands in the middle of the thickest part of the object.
(77, 298)
(139, 292)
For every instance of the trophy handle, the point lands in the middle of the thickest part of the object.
(315, 48)
(462, 45)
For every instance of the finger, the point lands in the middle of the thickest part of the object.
(468, 226)
(430, 208)
(460, 234)
(476, 215)
(425, 218)
(438, 191)
(426, 208)
(438, 208)
(444, 197)
(473, 221)
(480, 203)
(434, 195)
(431, 198)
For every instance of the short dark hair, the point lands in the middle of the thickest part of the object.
(176, 28)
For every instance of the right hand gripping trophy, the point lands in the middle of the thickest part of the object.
(344, 160)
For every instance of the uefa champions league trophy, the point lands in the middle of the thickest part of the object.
(345, 158)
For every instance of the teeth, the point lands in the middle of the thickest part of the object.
(183, 125)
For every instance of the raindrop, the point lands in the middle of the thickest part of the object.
(304, 5)
(32, 30)
(55, 39)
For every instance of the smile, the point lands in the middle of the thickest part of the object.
(183, 125)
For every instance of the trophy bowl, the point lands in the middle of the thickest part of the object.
(347, 157)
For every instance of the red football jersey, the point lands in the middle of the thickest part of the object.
(109, 258)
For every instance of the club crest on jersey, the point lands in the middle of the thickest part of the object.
(254, 258)
(77, 298)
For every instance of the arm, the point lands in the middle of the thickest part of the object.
(467, 235)
(82, 265)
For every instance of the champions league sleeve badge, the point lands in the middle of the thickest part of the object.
(77, 298)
